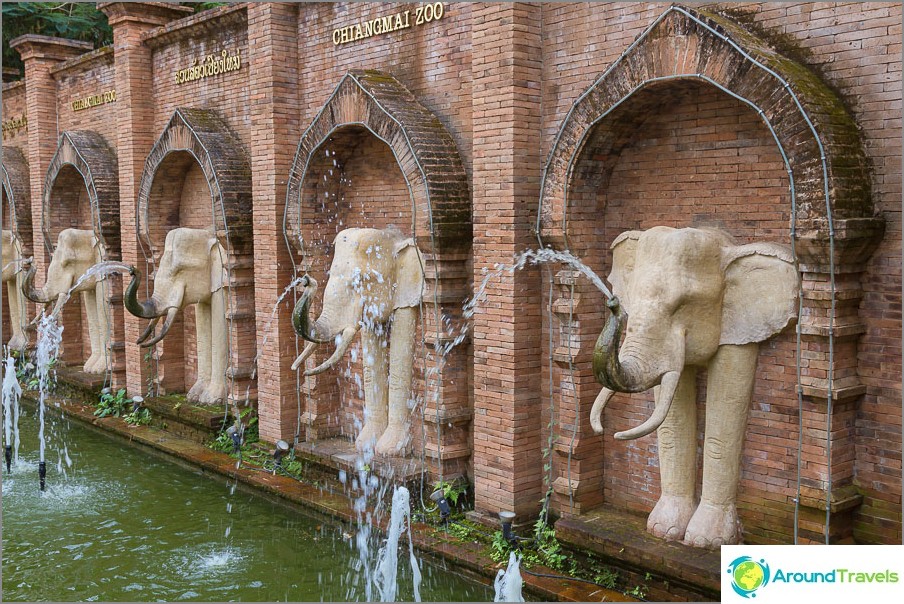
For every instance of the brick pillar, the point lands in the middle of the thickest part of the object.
(136, 136)
(272, 33)
(40, 55)
(507, 330)
(854, 241)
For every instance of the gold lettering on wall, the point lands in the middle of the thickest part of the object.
(210, 65)
(13, 125)
(424, 13)
(94, 100)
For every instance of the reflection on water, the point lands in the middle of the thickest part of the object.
(126, 526)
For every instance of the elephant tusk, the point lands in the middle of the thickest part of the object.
(58, 307)
(602, 399)
(667, 388)
(148, 330)
(344, 340)
(308, 351)
(170, 317)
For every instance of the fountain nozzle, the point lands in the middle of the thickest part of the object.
(282, 449)
(9, 458)
(42, 473)
(236, 436)
(445, 510)
(507, 518)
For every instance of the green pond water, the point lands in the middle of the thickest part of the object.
(120, 524)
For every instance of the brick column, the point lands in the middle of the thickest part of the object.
(40, 55)
(507, 330)
(135, 116)
(855, 239)
(272, 33)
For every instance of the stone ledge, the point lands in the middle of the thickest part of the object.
(621, 539)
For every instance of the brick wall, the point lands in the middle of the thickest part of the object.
(14, 107)
(863, 64)
(79, 78)
(501, 79)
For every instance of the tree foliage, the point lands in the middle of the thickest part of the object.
(74, 20)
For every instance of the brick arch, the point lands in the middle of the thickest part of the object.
(428, 180)
(423, 148)
(14, 172)
(89, 155)
(807, 120)
(201, 136)
(206, 136)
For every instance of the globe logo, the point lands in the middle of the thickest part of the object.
(748, 575)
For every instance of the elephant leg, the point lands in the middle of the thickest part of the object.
(17, 319)
(104, 327)
(401, 359)
(218, 345)
(376, 389)
(203, 344)
(677, 440)
(729, 388)
(89, 304)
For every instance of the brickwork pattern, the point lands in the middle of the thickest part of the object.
(501, 79)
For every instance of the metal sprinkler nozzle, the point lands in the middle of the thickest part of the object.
(42, 473)
(507, 518)
(8, 454)
(236, 436)
(282, 449)
(445, 510)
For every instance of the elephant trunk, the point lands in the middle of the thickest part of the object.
(28, 286)
(317, 331)
(167, 323)
(144, 310)
(607, 367)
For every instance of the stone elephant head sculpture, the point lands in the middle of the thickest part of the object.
(77, 250)
(191, 271)
(375, 286)
(688, 299)
(12, 277)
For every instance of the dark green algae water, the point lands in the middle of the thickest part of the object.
(119, 524)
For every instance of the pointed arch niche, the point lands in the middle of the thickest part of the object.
(81, 191)
(198, 175)
(375, 156)
(702, 123)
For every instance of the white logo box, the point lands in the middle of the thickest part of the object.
(794, 573)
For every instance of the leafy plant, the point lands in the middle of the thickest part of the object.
(548, 546)
(139, 417)
(111, 404)
(452, 491)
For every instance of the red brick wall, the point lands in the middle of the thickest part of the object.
(14, 107)
(83, 79)
(856, 47)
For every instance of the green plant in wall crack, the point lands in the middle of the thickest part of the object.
(111, 403)
(453, 492)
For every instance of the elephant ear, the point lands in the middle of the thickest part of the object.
(409, 284)
(217, 260)
(624, 249)
(761, 292)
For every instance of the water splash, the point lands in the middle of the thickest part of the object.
(508, 582)
(50, 335)
(388, 559)
(11, 393)
(97, 271)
